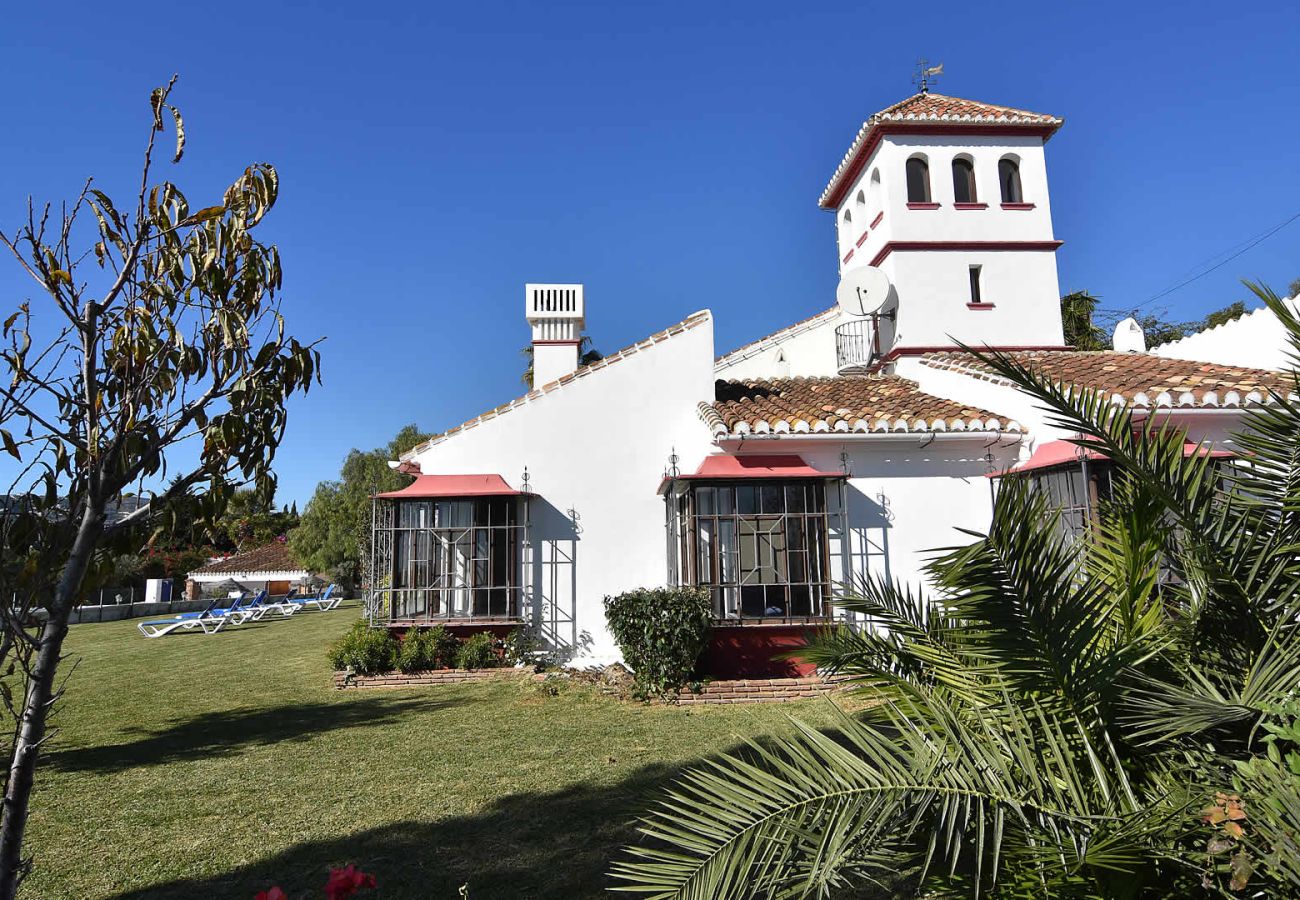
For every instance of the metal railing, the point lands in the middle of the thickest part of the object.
(855, 345)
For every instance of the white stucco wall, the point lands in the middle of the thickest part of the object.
(806, 350)
(1256, 340)
(596, 449)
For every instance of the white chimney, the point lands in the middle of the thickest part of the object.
(555, 312)
(1129, 337)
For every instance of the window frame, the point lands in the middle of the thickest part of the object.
(966, 166)
(715, 535)
(453, 559)
(924, 179)
(1019, 198)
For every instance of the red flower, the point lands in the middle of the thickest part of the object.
(347, 881)
(273, 894)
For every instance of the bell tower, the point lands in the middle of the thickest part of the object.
(949, 198)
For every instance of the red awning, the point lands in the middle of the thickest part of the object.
(453, 486)
(1062, 453)
(725, 466)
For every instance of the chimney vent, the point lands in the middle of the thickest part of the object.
(1129, 337)
(556, 314)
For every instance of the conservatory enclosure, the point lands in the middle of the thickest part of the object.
(449, 549)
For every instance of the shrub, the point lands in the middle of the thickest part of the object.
(427, 648)
(661, 632)
(366, 650)
(478, 652)
(521, 648)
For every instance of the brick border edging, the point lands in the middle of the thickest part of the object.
(762, 690)
(345, 680)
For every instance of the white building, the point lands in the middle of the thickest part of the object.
(1257, 338)
(838, 447)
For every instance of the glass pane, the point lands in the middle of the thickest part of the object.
(771, 498)
(704, 505)
(746, 500)
(794, 497)
(726, 501)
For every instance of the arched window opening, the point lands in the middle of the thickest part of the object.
(846, 231)
(963, 180)
(918, 180)
(1009, 178)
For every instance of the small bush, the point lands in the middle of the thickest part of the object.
(662, 633)
(478, 652)
(364, 649)
(427, 648)
(521, 648)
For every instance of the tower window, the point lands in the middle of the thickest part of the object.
(918, 180)
(963, 180)
(975, 296)
(1009, 178)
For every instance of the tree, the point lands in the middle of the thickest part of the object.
(1294, 289)
(1077, 310)
(587, 354)
(335, 528)
(1109, 718)
(250, 520)
(159, 332)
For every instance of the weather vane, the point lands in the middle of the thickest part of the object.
(925, 73)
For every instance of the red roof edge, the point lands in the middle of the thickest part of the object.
(453, 486)
(725, 467)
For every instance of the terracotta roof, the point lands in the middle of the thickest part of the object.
(1136, 379)
(934, 109)
(273, 557)
(691, 321)
(855, 403)
(776, 337)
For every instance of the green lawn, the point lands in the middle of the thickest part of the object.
(215, 766)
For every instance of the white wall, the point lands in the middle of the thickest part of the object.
(805, 351)
(1256, 340)
(596, 449)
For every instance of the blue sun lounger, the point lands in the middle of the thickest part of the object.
(324, 602)
(209, 621)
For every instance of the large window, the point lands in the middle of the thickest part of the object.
(761, 549)
(1073, 493)
(455, 559)
(918, 180)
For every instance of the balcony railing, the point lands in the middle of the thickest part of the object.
(855, 345)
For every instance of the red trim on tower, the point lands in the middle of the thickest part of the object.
(963, 245)
(555, 343)
(865, 235)
(1017, 206)
(850, 175)
(878, 219)
(911, 205)
(970, 206)
(980, 305)
(848, 256)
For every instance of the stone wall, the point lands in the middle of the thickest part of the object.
(432, 676)
(761, 690)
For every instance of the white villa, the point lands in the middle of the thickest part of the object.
(838, 446)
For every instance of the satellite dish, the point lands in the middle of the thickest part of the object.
(863, 290)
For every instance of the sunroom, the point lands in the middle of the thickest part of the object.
(756, 531)
(449, 549)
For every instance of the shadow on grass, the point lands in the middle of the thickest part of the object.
(553, 845)
(229, 732)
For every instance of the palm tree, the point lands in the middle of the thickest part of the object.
(1112, 717)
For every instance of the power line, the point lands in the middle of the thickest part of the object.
(1247, 246)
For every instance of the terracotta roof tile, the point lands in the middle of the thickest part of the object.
(857, 403)
(930, 108)
(1137, 379)
(273, 557)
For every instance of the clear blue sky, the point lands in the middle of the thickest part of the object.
(433, 158)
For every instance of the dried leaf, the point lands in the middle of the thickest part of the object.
(10, 447)
(205, 214)
(180, 133)
(1232, 829)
